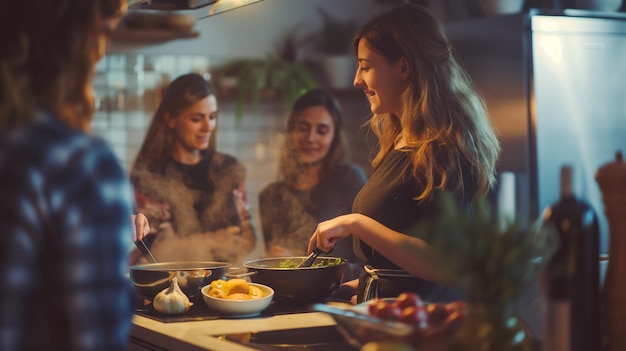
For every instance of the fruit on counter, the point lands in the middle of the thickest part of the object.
(172, 300)
(407, 299)
(383, 309)
(234, 289)
(414, 315)
(437, 313)
(434, 322)
(407, 308)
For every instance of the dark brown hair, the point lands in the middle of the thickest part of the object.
(337, 154)
(180, 94)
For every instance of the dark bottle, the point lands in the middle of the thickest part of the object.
(571, 277)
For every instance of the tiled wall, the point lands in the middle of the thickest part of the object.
(128, 88)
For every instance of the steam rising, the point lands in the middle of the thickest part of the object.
(203, 221)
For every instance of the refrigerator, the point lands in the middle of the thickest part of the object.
(555, 87)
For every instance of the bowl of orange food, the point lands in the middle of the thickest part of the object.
(237, 298)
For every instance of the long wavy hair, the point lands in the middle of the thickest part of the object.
(48, 57)
(444, 119)
(180, 94)
(338, 154)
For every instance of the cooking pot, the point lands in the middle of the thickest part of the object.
(298, 285)
(151, 278)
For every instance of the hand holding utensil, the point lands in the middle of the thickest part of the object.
(143, 248)
(311, 258)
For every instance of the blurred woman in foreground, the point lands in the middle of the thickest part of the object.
(66, 202)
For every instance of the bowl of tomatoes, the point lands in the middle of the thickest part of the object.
(405, 319)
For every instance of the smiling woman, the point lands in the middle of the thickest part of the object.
(317, 182)
(194, 197)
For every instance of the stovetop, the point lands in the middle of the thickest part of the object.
(201, 312)
(325, 338)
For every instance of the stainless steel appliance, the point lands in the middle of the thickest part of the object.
(555, 86)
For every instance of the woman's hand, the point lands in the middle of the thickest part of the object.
(141, 227)
(347, 291)
(412, 254)
(329, 232)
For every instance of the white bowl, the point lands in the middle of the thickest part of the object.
(239, 308)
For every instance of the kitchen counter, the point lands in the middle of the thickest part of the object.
(151, 334)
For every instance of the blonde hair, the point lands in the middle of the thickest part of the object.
(444, 120)
(48, 59)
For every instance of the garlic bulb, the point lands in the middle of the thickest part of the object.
(172, 300)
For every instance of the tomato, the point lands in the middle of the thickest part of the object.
(455, 319)
(408, 299)
(437, 313)
(371, 306)
(415, 315)
(455, 306)
(383, 310)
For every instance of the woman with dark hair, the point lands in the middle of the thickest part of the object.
(316, 180)
(66, 201)
(194, 196)
(434, 135)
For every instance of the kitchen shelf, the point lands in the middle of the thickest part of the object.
(144, 37)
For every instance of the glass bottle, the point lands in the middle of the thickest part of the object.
(571, 278)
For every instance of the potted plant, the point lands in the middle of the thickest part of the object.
(278, 75)
(335, 41)
(491, 262)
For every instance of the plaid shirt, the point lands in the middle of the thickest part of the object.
(65, 209)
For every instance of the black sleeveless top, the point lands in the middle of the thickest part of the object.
(388, 197)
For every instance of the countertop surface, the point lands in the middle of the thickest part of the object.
(152, 334)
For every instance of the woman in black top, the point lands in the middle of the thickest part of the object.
(316, 181)
(434, 135)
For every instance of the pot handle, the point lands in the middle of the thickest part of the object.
(235, 274)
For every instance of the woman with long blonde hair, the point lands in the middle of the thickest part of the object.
(434, 135)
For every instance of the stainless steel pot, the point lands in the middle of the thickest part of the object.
(151, 278)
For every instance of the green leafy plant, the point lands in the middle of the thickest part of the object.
(489, 261)
(279, 74)
(335, 37)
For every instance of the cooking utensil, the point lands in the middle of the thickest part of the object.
(151, 278)
(311, 258)
(143, 248)
(301, 286)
